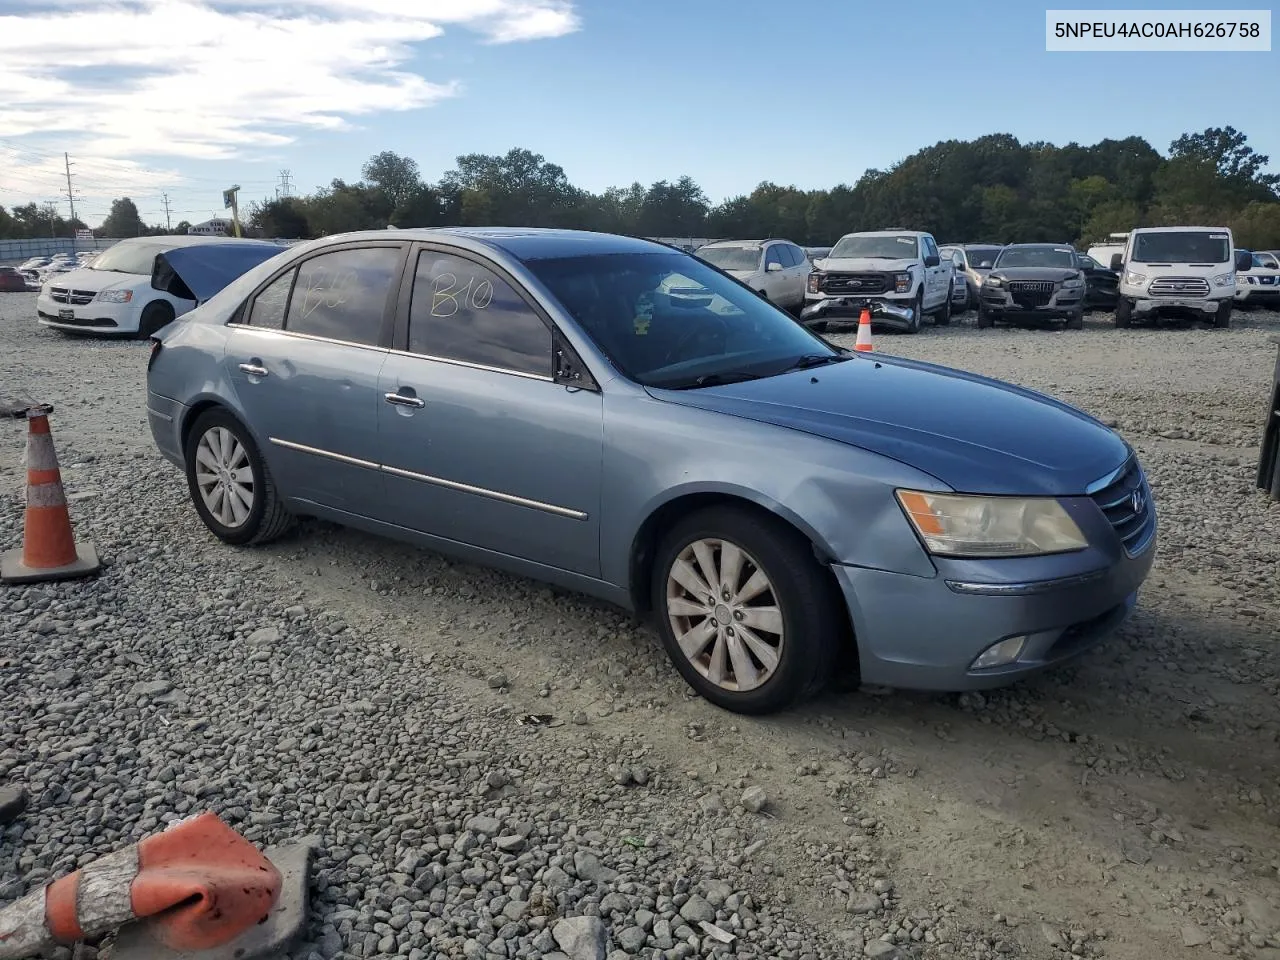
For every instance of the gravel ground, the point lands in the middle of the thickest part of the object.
(497, 769)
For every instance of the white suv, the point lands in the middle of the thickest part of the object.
(775, 269)
(898, 274)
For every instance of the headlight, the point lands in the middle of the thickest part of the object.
(992, 281)
(1072, 282)
(1136, 279)
(815, 281)
(954, 525)
(1225, 280)
(115, 296)
(901, 282)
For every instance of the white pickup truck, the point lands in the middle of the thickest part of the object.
(898, 275)
(1184, 272)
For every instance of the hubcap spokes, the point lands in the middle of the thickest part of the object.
(224, 477)
(725, 614)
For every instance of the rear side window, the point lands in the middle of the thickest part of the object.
(269, 306)
(462, 310)
(343, 295)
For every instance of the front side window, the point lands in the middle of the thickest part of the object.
(773, 255)
(269, 306)
(462, 310)
(343, 295)
(669, 320)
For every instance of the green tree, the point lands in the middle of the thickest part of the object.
(123, 220)
(396, 176)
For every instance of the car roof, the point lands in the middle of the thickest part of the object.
(887, 233)
(1179, 230)
(1056, 246)
(523, 243)
(735, 243)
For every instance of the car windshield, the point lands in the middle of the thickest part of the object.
(129, 258)
(731, 258)
(980, 255)
(1182, 246)
(1036, 257)
(875, 248)
(668, 320)
(1266, 261)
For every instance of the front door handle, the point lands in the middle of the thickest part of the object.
(253, 369)
(401, 400)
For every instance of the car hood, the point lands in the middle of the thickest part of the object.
(198, 272)
(865, 265)
(82, 278)
(742, 274)
(1054, 274)
(975, 434)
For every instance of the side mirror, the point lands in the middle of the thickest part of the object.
(773, 267)
(1117, 261)
(1244, 261)
(932, 260)
(762, 295)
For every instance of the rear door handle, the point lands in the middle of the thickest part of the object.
(253, 369)
(401, 400)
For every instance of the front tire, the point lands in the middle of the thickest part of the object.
(746, 613)
(917, 310)
(1076, 320)
(1222, 318)
(1124, 314)
(155, 315)
(230, 484)
(985, 321)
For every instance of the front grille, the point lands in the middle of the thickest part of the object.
(1267, 280)
(77, 297)
(1134, 526)
(1031, 293)
(1179, 287)
(855, 283)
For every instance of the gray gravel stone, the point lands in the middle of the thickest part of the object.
(582, 938)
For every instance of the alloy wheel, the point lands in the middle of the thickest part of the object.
(224, 477)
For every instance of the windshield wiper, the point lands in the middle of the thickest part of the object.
(711, 380)
(815, 360)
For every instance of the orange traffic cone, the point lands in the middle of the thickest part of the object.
(48, 549)
(863, 343)
(198, 885)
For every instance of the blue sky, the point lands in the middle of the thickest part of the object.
(730, 92)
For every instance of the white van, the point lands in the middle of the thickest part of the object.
(1185, 272)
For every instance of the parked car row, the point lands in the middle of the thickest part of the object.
(37, 270)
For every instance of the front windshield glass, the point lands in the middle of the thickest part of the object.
(1036, 257)
(981, 255)
(875, 248)
(1266, 261)
(731, 258)
(128, 258)
(1182, 247)
(669, 320)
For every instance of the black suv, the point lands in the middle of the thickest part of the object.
(1034, 281)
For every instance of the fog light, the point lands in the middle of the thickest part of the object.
(998, 654)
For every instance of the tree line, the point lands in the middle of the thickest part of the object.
(994, 189)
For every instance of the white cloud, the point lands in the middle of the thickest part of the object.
(212, 79)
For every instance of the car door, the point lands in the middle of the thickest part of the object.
(775, 280)
(799, 275)
(304, 356)
(935, 276)
(486, 447)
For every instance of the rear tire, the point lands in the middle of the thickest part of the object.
(1222, 319)
(224, 469)
(793, 624)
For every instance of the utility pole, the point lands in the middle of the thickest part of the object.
(71, 199)
(168, 224)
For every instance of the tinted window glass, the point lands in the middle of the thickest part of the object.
(800, 256)
(461, 310)
(784, 255)
(342, 295)
(269, 306)
(773, 255)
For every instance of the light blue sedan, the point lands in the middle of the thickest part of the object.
(617, 417)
